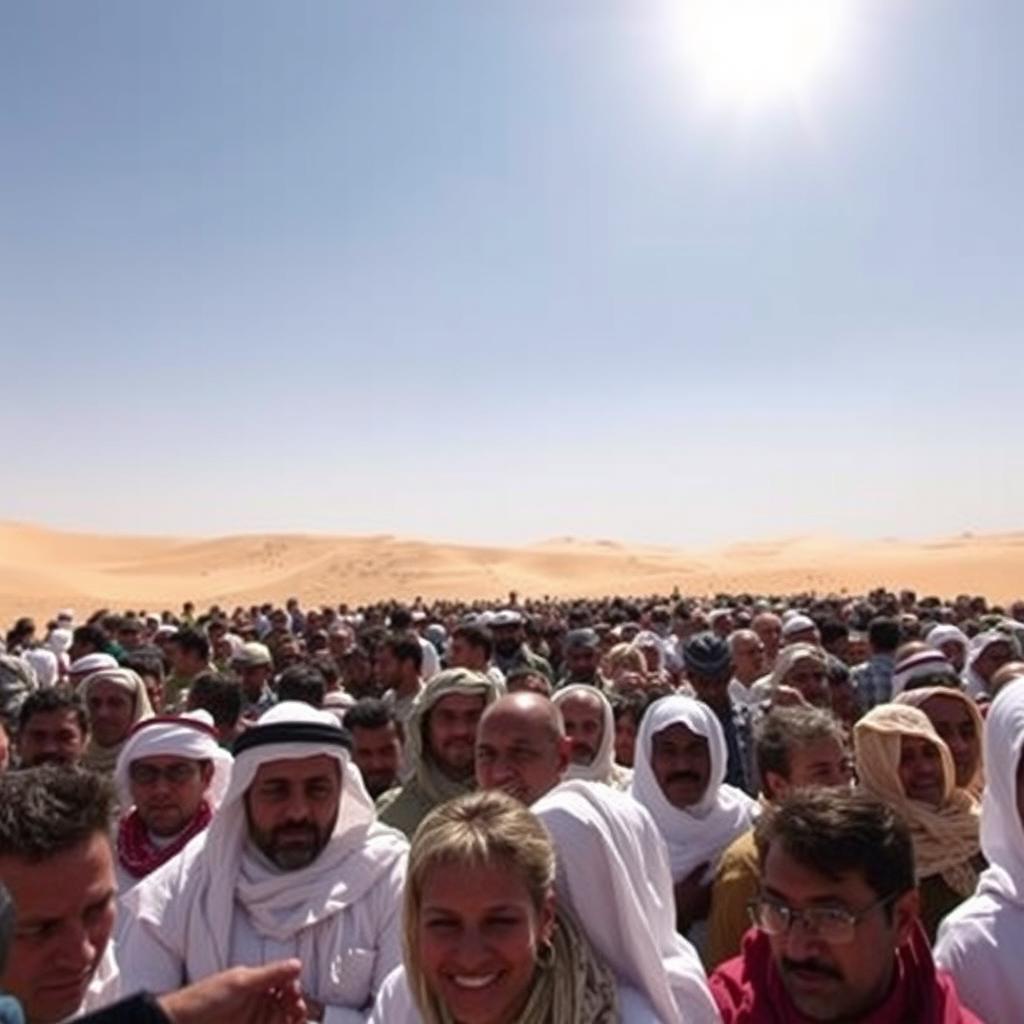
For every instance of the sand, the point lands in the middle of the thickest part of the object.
(42, 570)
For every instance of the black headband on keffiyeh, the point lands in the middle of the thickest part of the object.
(292, 732)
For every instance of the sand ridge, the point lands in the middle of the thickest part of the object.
(43, 569)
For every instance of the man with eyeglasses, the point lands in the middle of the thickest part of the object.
(838, 936)
(170, 777)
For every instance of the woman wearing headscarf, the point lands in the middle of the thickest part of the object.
(958, 722)
(484, 936)
(606, 842)
(980, 942)
(115, 701)
(901, 760)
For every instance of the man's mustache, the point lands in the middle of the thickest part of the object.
(684, 777)
(810, 967)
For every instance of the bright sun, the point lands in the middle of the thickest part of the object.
(752, 53)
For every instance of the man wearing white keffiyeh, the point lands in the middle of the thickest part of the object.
(293, 865)
(679, 777)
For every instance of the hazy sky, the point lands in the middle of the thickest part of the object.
(498, 271)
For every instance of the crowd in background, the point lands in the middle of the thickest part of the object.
(663, 749)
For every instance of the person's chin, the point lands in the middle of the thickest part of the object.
(813, 994)
(60, 1001)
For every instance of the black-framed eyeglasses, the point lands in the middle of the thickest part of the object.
(835, 925)
(149, 774)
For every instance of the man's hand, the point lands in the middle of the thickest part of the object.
(256, 995)
(693, 899)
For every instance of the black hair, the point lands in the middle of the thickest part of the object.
(368, 713)
(47, 810)
(54, 698)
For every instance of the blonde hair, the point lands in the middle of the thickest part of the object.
(483, 828)
(625, 658)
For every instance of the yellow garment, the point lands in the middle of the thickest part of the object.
(736, 883)
(945, 838)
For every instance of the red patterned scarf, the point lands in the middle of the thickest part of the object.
(137, 852)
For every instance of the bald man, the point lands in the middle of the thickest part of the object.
(521, 746)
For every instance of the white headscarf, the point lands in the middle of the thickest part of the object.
(943, 633)
(44, 661)
(1002, 834)
(976, 686)
(601, 768)
(175, 737)
(607, 843)
(281, 904)
(700, 833)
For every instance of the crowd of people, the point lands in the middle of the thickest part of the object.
(654, 810)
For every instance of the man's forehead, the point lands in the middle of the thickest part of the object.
(509, 729)
(51, 718)
(298, 767)
(460, 702)
(677, 732)
(785, 876)
(581, 702)
(165, 760)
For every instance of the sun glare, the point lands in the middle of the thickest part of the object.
(752, 53)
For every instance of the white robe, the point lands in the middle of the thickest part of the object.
(979, 943)
(220, 903)
(609, 844)
(395, 1004)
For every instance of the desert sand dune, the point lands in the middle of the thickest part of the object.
(42, 569)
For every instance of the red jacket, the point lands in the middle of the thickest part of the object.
(748, 989)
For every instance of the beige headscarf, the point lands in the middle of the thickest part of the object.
(428, 786)
(104, 759)
(918, 698)
(945, 838)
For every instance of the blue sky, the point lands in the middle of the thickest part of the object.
(503, 271)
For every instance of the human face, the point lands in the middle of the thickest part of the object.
(517, 752)
(451, 733)
(841, 982)
(822, 762)
(463, 654)
(955, 654)
(51, 737)
(681, 762)
(583, 714)
(254, 679)
(507, 639)
(955, 725)
(167, 791)
(921, 770)
(625, 739)
(62, 930)
(994, 657)
(581, 662)
(377, 753)
(769, 628)
(292, 807)
(748, 658)
(389, 668)
(110, 709)
(478, 936)
(809, 678)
